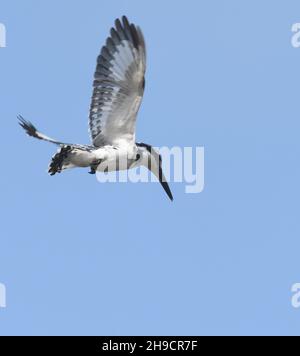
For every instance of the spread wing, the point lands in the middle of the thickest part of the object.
(118, 86)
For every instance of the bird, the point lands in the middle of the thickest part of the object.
(118, 88)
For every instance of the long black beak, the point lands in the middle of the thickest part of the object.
(164, 183)
(167, 189)
(155, 166)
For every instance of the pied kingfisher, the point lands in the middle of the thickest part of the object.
(118, 89)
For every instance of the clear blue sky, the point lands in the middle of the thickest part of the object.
(78, 257)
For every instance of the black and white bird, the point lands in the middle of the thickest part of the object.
(118, 88)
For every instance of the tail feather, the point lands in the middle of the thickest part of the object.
(68, 156)
(60, 161)
(32, 131)
(29, 127)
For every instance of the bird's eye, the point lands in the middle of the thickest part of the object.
(138, 156)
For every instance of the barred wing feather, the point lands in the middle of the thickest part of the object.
(118, 86)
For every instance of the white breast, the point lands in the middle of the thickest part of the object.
(116, 159)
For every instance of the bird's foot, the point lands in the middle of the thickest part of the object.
(94, 167)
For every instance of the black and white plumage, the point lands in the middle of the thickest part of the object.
(118, 88)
